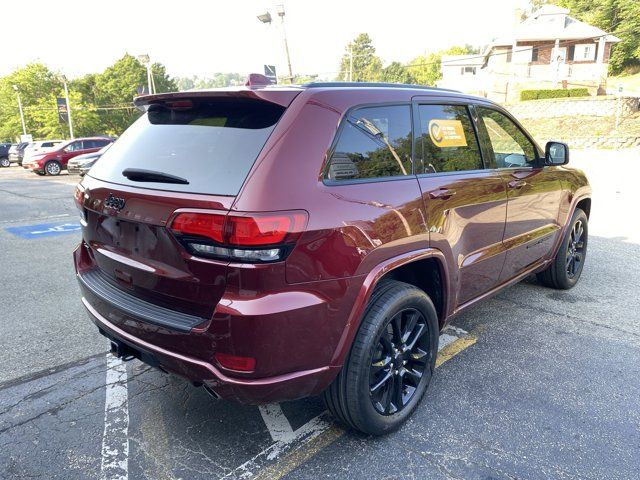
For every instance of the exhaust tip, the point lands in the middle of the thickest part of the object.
(210, 391)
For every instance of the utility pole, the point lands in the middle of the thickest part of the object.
(66, 98)
(24, 127)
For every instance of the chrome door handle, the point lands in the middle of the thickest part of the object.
(517, 183)
(443, 193)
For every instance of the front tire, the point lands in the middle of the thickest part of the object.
(4, 162)
(391, 361)
(567, 266)
(53, 168)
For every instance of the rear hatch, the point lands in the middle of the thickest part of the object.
(186, 152)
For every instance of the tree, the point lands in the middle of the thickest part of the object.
(618, 17)
(426, 69)
(113, 91)
(217, 80)
(367, 66)
(397, 73)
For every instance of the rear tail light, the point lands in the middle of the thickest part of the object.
(78, 196)
(242, 237)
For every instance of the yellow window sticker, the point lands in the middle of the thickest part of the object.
(447, 133)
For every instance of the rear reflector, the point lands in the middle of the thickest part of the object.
(234, 362)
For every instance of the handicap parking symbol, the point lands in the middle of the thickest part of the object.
(42, 230)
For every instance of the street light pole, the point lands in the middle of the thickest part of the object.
(351, 62)
(66, 97)
(266, 18)
(24, 127)
(280, 9)
(146, 61)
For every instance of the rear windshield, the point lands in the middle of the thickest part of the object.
(211, 144)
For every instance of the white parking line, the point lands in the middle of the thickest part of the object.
(283, 434)
(276, 422)
(115, 441)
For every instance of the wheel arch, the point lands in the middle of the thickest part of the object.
(403, 268)
(584, 203)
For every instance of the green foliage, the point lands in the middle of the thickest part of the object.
(396, 73)
(553, 93)
(618, 17)
(367, 66)
(100, 103)
(578, 92)
(216, 81)
(426, 68)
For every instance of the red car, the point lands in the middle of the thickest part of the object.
(271, 243)
(54, 161)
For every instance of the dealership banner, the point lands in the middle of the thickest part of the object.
(63, 115)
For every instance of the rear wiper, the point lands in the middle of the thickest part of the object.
(140, 175)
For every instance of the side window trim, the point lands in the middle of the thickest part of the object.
(344, 120)
(539, 160)
(415, 106)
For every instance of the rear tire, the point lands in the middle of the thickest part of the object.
(52, 168)
(567, 266)
(390, 363)
(4, 162)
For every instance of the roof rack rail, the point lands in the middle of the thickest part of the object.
(374, 84)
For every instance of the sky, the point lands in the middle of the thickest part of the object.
(200, 37)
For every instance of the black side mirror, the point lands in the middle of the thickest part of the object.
(556, 153)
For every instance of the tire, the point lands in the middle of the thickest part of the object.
(567, 266)
(360, 397)
(5, 163)
(52, 168)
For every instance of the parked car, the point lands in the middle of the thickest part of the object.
(54, 161)
(81, 164)
(40, 146)
(221, 243)
(16, 152)
(4, 154)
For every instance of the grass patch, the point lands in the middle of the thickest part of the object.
(545, 129)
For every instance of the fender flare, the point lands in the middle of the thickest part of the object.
(368, 286)
(574, 204)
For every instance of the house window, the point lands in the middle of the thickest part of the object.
(585, 52)
(534, 54)
(469, 70)
(509, 51)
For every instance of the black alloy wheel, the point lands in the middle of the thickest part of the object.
(575, 249)
(399, 361)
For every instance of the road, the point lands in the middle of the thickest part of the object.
(537, 383)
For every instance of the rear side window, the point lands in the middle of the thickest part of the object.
(212, 144)
(446, 141)
(374, 142)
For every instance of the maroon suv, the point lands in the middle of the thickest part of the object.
(271, 243)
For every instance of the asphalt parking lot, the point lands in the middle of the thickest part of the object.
(534, 383)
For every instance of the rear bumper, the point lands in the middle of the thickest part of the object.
(254, 391)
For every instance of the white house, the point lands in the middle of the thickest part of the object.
(550, 49)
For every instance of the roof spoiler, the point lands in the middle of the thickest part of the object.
(282, 97)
